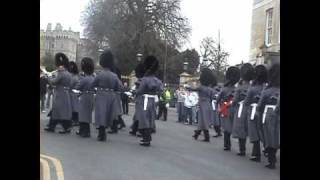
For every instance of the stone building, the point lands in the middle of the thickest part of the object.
(265, 32)
(58, 40)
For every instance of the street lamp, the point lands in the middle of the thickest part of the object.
(139, 57)
(185, 66)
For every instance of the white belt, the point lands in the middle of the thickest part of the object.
(213, 104)
(146, 97)
(254, 109)
(265, 111)
(240, 109)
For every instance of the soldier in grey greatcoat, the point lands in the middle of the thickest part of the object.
(139, 72)
(250, 102)
(107, 83)
(240, 123)
(207, 79)
(86, 99)
(61, 104)
(73, 69)
(268, 115)
(224, 100)
(216, 121)
(150, 87)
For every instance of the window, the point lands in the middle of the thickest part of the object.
(268, 35)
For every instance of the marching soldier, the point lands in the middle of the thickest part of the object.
(224, 100)
(106, 83)
(250, 103)
(139, 72)
(61, 104)
(216, 118)
(207, 78)
(268, 115)
(73, 69)
(240, 126)
(86, 100)
(149, 88)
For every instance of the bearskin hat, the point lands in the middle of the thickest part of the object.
(139, 70)
(87, 65)
(106, 59)
(274, 75)
(207, 78)
(73, 68)
(116, 70)
(261, 74)
(151, 65)
(61, 60)
(232, 75)
(247, 72)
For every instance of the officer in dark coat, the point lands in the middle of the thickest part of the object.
(250, 103)
(268, 115)
(207, 79)
(224, 100)
(73, 69)
(61, 104)
(86, 99)
(107, 83)
(150, 87)
(216, 121)
(240, 126)
(139, 72)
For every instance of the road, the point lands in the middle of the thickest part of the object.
(173, 155)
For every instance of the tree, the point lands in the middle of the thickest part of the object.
(48, 62)
(215, 55)
(129, 27)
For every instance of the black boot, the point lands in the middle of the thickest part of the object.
(218, 131)
(114, 127)
(102, 136)
(86, 131)
(134, 128)
(272, 158)
(242, 147)
(66, 124)
(196, 134)
(227, 141)
(52, 125)
(256, 155)
(146, 137)
(121, 122)
(206, 136)
(81, 129)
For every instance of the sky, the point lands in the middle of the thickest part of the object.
(206, 18)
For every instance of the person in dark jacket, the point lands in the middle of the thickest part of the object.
(61, 104)
(268, 115)
(125, 99)
(251, 100)
(86, 100)
(225, 100)
(240, 126)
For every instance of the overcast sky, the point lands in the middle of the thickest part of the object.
(206, 17)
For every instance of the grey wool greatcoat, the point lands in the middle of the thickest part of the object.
(138, 102)
(216, 119)
(74, 96)
(269, 118)
(205, 107)
(86, 99)
(240, 123)
(152, 86)
(226, 122)
(106, 83)
(61, 103)
(250, 103)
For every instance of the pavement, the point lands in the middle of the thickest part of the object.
(173, 155)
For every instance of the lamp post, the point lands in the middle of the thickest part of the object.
(185, 66)
(139, 57)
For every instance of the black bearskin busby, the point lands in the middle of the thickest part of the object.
(261, 75)
(232, 76)
(61, 60)
(106, 59)
(87, 65)
(73, 68)
(151, 65)
(207, 78)
(247, 72)
(116, 71)
(139, 70)
(274, 75)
